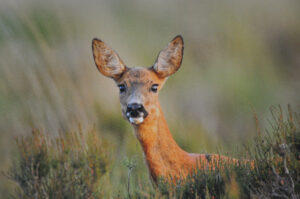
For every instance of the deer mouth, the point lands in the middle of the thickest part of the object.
(136, 116)
(136, 120)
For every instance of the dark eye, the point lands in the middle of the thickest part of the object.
(122, 88)
(154, 88)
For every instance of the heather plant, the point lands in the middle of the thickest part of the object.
(233, 58)
(270, 170)
(71, 166)
(276, 172)
(202, 183)
(74, 165)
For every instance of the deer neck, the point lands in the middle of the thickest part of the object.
(163, 156)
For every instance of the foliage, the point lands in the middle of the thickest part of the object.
(272, 172)
(130, 164)
(73, 165)
(70, 166)
(232, 59)
(277, 162)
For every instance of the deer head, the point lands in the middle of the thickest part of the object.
(139, 87)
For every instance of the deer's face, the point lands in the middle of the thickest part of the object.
(138, 86)
(139, 89)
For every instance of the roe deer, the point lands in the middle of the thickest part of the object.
(139, 89)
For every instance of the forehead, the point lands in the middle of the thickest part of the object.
(140, 75)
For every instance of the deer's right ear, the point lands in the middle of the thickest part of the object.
(107, 60)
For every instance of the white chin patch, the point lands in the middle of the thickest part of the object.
(136, 120)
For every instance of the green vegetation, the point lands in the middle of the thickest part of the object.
(273, 172)
(75, 164)
(70, 166)
(238, 55)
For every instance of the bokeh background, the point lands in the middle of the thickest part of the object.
(241, 57)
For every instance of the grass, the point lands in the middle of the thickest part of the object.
(233, 60)
(70, 166)
(76, 164)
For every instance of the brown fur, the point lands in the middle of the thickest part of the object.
(163, 156)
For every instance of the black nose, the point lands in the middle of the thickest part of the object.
(134, 106)
(135, 110)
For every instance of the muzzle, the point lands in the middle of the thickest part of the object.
(136, 113)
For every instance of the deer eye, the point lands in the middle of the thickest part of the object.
(122, 88)
(154, 88)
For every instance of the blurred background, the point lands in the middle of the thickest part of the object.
(240, 57)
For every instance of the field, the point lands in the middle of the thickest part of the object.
(241, 58)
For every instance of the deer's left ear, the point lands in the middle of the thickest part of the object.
(170, 58)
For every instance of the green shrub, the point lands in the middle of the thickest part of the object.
(271, 169)
(73, 165)
(277, 162)
(70, 166)
(208, 182)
